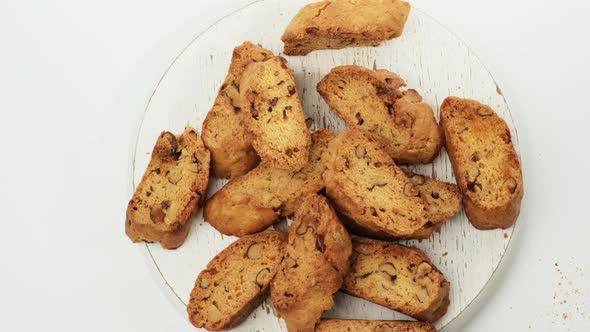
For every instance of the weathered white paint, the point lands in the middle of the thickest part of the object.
(431, 59)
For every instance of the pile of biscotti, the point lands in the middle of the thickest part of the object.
(333, 184)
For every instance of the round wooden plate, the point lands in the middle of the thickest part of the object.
(431, 59)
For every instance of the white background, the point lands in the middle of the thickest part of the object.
(75, 75)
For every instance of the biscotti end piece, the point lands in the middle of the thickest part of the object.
(276, 117)
(236, 281)
(369, 189)
(484, 161)
(336, 24)
(224, 133)
(170, 191)
(353, 325)
(398, 277)
(254, 201)
(399, 120)
(317, 257)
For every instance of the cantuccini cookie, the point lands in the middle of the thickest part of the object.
(353, 325)
(371, 100)
(317, 257)
(171, 190)
(254, 201)
(398, 277)
(224, 132)
(484, 161)
(335, 24)
(276, 119)
(236, 281)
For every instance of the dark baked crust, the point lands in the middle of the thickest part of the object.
(317, 257)
(398, 277)
(171, 190)
(371, 101)
(484, 161)
(224, 133)
(220, 299)
(340, 23)
(254, 201)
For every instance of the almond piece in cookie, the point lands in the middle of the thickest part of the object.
(254, 201)
(236, 281)
(317, 257)
(276, 119)
(370, 100)
(224, 132)
(369, 189)
(484, 161)
(169, 194)
(397, 277)
(335, 24)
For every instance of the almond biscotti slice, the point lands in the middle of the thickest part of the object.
(371, 101)
(484, 161)
(170, 191)
(398, 277)
(276, 119)
(369, 189)
(336, 24)
(224, 133)
(317, 257)
(236, 281)
(254, 201)
(353, 325)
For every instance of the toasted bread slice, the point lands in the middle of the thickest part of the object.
(484, 161)
(170, 191)
(224, 133)
(254, 201)
(369, 189)
(276, 119)
(370, 100)
(317, 257)
(398, 277)
(353, 325)
(337, 24)
(236, 281)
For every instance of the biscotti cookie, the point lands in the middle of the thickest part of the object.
(371, 101)
(254, 201)
(353, 325)
(484, 161)
(317, 257)
(369, 189)
(398, 277)
(236, 281)
(224, 133)
(276, 117)
(335, 24)
(170, 191)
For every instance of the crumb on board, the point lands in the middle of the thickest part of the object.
(505, 235)
(445, 253)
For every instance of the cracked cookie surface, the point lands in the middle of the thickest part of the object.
(336, 24)
(171, 190)
(371, 101)
(398, 277)
(316, 259)
(236, 281)
(484, 161)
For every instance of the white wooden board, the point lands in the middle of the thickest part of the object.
(431, 60)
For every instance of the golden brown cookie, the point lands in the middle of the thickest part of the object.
(317, 257)
(170, 191)
(236, 281)
(398, 277)
(335, 24)
(353, 325)
(224, 133)
(370, 100)
(484, 161)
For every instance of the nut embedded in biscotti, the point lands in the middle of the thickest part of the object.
(484, 111)
(423, 270)
(389, 269)
(383, 328)
(175, 177)
(263, 276)
(417, 179)
(422, 295)
(214, 313)
(473, 174)
(255, 251)
(204, 283)
(411, 190)
(360, 151)
(511, 185)
(232, 92)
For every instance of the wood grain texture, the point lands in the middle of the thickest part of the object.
(431, 59)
